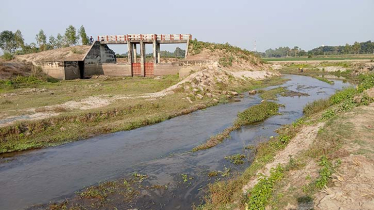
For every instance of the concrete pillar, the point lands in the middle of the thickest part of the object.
(158, 52)
(134, 52)
(186, 53)
(129, 52)
(154, 51)
(142, 59)
(130, 56)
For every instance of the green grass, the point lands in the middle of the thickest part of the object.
(260, 194)
(272, 93)
(324, 80)
(52, 93)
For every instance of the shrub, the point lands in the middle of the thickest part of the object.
(7, 56)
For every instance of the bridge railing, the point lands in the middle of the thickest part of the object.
(144, 37)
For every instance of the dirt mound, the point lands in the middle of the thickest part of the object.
(229, 57)
(13, 69)
(75, 53)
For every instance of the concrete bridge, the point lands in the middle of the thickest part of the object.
(132, 40)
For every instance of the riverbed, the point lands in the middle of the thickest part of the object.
(161, 151)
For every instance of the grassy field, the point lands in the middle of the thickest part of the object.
(25, 93)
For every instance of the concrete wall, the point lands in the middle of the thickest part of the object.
(96, 57)
(116, 69)
(166, 69)
(71, 70)
(54, 69)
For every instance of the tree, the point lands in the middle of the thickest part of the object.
(347, 48)
(71, 35)
(356, 47)
(7, 41)
(52, 42)
(83, 36)
(18, 38)
(59, 41)
(296, 50)
(41, 39)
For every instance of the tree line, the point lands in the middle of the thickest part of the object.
(356, 48)
(13, 43)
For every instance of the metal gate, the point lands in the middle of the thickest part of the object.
(149, 67)
(136, 69)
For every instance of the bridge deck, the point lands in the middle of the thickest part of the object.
(145, 38)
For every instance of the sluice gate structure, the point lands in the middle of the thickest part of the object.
(144, 68)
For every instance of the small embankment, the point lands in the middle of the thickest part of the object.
(322, 161)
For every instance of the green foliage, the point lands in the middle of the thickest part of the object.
(18, 38)
(324, 80)
(272, 93)
(328, 114)
(257, 113)
(71, 35)
(316, 106)
(366, 82)
(345, 94)
(83, 35)
(325, 172)
(236, 159)
(41, 40)
(7, 56)
(226, 61)
(7, 41)
(284, 139)
(260, 194)
(59, 41)
(356, 48)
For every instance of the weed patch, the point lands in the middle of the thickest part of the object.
(236, 159)
(260, 194)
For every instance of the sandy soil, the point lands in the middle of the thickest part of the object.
(353, 186)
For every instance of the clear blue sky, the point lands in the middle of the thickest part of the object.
(272, 23)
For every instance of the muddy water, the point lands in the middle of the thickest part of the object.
(160, 151)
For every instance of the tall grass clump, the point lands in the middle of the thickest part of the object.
(257, 113)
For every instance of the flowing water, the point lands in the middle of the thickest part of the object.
(160, 151)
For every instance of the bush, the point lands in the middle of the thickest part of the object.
(345, 94)
(7, 56)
